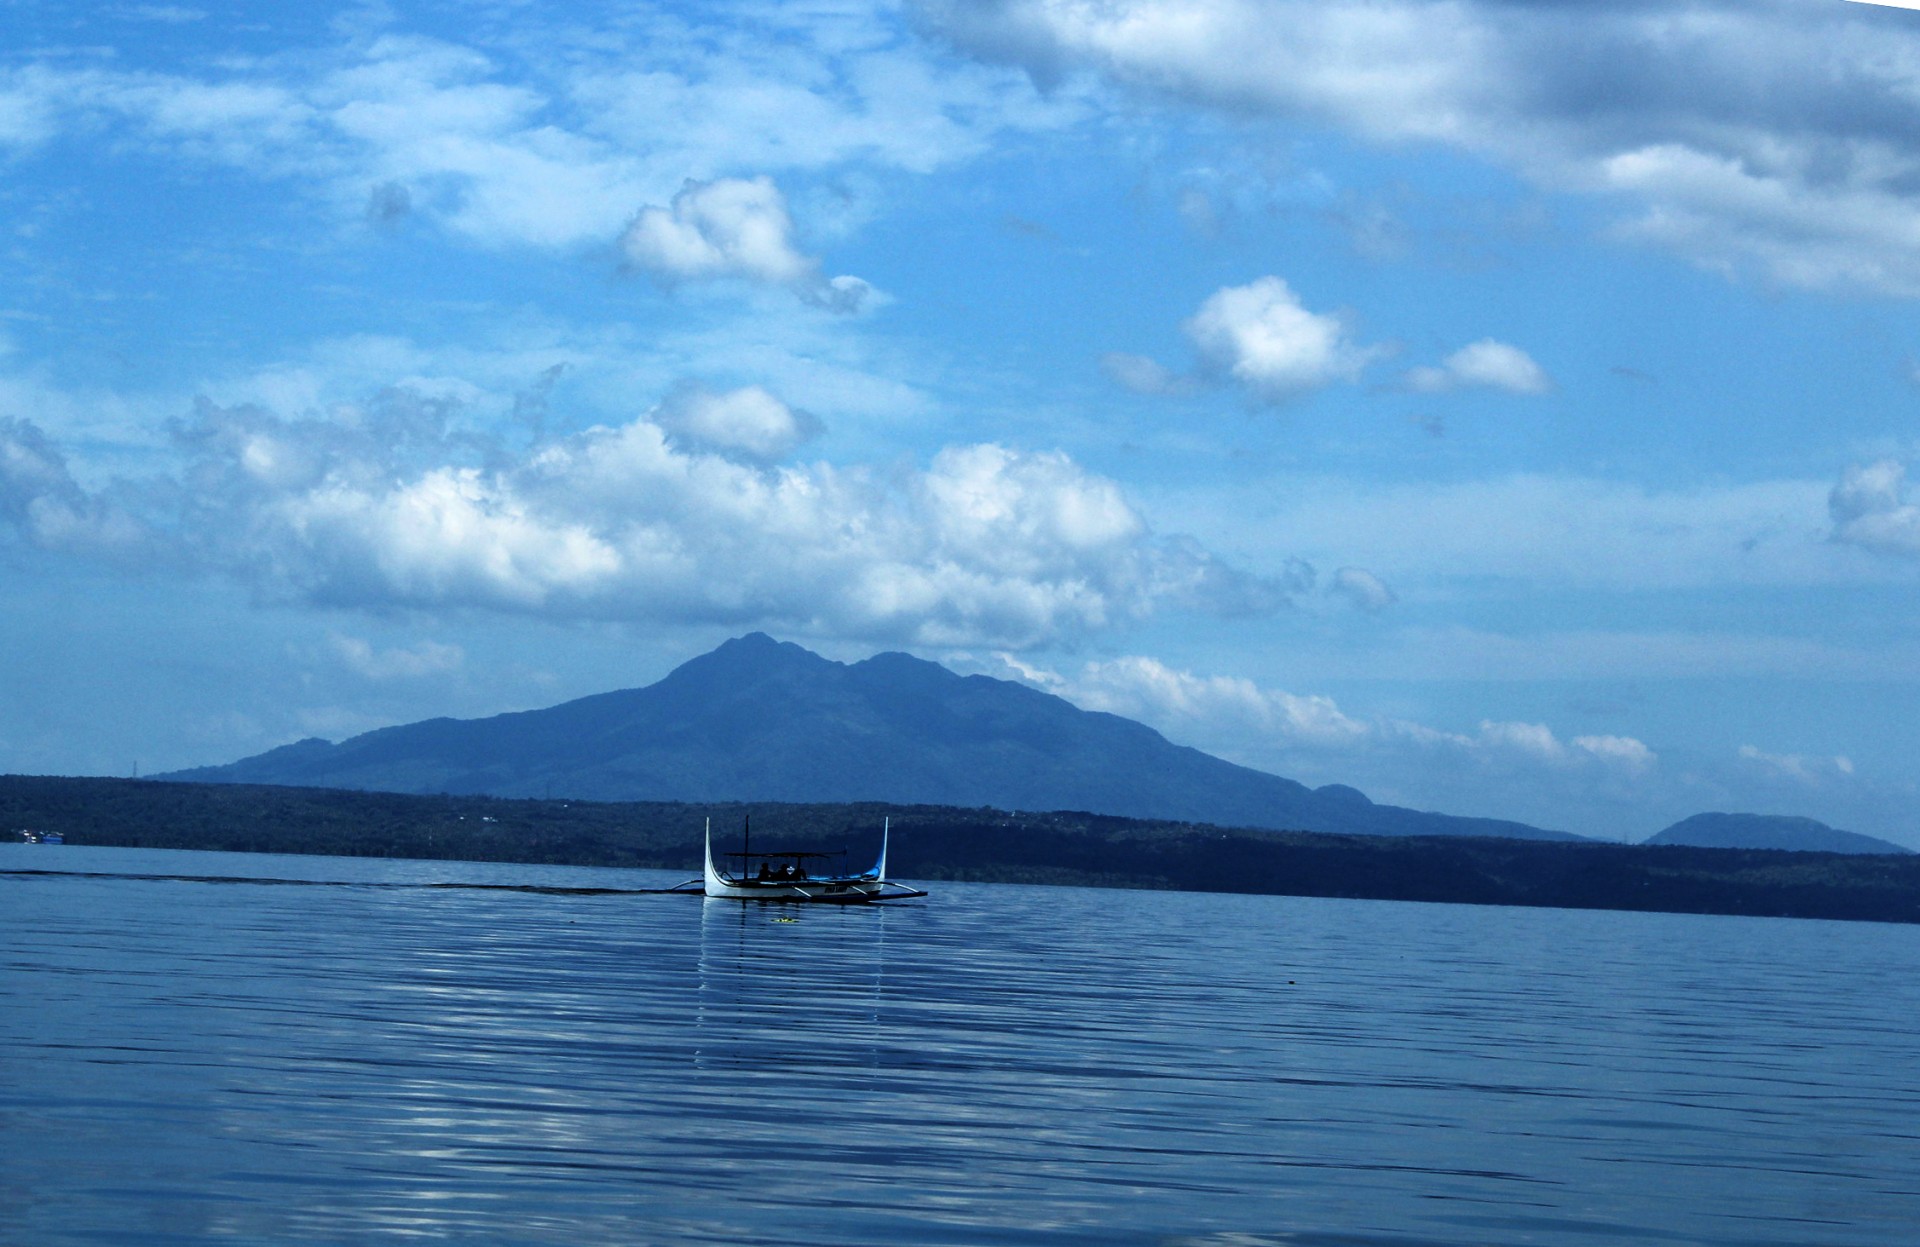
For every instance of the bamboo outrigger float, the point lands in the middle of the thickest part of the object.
(798, 877)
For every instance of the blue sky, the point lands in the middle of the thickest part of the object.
(1505, 408)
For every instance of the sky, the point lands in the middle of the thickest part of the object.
(1503, 407)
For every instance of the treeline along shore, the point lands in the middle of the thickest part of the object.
(934, 843)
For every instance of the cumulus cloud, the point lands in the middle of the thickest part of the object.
(1777, 139)
(1260, 336)
(1869, 508)
(390, 504)
(43, 504)
(733, 227)
(617, 523)
(748, 422)
(738, 228)
(1486, 364)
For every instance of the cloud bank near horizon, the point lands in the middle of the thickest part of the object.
(1622, 788)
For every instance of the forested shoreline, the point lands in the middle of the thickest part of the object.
(935, 843)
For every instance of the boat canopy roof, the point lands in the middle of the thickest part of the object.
(787, 857)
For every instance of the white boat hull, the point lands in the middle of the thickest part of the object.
(841, 890)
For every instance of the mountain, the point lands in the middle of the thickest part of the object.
(764, 720)
(1769, 831)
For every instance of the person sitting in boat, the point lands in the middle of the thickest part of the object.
(766, 871)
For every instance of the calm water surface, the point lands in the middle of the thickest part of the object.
(198, 1047)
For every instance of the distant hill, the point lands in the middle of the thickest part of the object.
(1769, 831)
(763, 720)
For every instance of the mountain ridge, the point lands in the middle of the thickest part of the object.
(761, 719)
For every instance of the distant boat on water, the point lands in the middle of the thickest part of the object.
(788, 876)
(42, 837)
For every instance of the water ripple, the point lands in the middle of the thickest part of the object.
(515, 1055)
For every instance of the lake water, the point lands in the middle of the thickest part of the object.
(199, 1047)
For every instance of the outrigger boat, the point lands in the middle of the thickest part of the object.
(799, 877)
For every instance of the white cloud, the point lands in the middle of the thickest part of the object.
(30, 468)
(1486, 364)
(1240, 718)
(1775, 211)
(550, 138)
(42, 503)
(1869, 508)
(1623, 750)
(1363, 589)
(748, 421)
(26, 117)
(392, 504)
(425, 659)
(733, 228)
(832, 87)
(1612, 785)
(1145, 688)
(451, 536)
(1261, 336)
(1535, 741)
(1812, 772)
(1603, 784)
(1143, 375)
(987, 542)
(503, 377)
(1772, 138)
(477, 154)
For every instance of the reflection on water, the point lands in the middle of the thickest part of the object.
(373, 1058)
(782, 984)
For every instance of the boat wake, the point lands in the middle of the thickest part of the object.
(543, 889)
